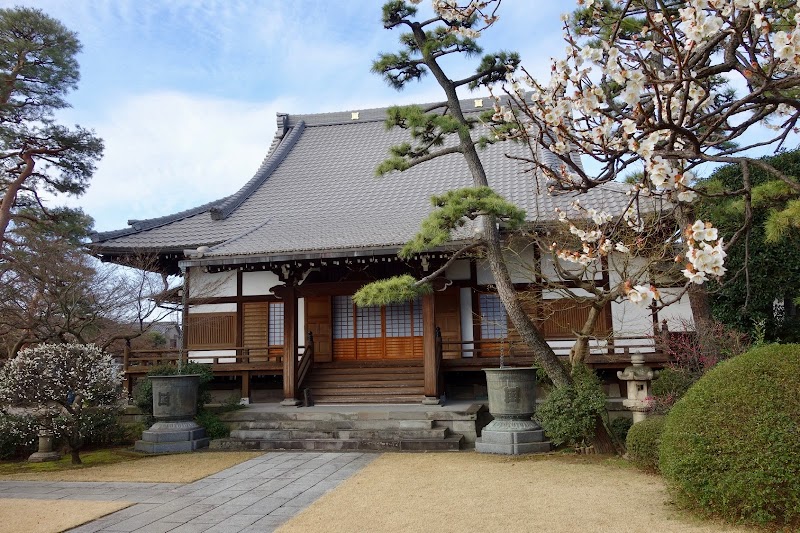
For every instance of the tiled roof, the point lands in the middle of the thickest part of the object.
(317, 192)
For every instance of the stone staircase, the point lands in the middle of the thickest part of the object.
(373, 382)
(320, 428)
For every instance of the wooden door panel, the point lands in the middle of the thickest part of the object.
(447, 316)
(318, 322)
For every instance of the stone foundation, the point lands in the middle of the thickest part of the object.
(172, 437)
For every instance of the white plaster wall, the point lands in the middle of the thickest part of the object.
(679, 314)
(520, 267)
(258, 283)
(556, 295)
(205, 285)
(630, 319)
(623, 267)
(213, 308)
(466, 320)
(301, 322)
(458, 270)
(548, 268)
(484, 275)
(206, 356)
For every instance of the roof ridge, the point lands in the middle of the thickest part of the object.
(225, 208)
(378, 114)
(149, 223)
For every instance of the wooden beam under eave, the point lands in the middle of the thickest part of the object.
(430, 363)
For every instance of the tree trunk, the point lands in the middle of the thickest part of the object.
(604, 441)
(580, 350)
(542, 353)
(76, 458)
(10, 196)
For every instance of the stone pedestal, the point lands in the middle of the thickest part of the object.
(172, 437)
(45, 452)
(512, 402)
(174, 407)
(638, 378)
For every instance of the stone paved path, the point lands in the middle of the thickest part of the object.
(255, 496)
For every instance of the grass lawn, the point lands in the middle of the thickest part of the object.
(89, 458)
(120, 464)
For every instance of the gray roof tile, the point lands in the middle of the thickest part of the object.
(317, 191)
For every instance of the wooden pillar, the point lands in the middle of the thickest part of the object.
(184, 353)
(430, 362)
(290, 346)
(246, 385)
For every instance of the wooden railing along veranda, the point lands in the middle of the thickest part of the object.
(603, 352)
(222, 360)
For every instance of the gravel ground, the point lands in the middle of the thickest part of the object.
(40, 516)
(473, 492)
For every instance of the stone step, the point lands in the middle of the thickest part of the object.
(248, 415)
(349, 434)
(332, 425)
(450, 443)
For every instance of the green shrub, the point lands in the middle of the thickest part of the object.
(730, 445)
(143, 393)
(619, 427)
(643, 441)
(569, 414)
(101, 427)
(19, 435)
(214, 426)
(669, 387)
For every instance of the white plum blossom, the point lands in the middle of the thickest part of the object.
(643, 295)
(704, 259)
(702, 231)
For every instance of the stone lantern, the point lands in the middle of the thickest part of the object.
(45, 452)
(639, 378)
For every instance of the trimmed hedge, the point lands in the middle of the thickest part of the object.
(643, 441)
(569, 414)
(730, 446)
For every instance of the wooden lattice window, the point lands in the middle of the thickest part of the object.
(276, 323)
(494, 321)
(211, 330)
(343, 317)
(398, 320)
(404, 319)
(392, 331)
(368, 325)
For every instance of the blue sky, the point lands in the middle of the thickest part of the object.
(185, 92)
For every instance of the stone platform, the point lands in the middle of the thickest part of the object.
(512, 437)
(172, 437)
(364, 427)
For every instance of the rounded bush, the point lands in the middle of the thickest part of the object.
(569, 414)
(730, 445)
(643, 441)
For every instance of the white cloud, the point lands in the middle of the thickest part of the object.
(169, 151)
